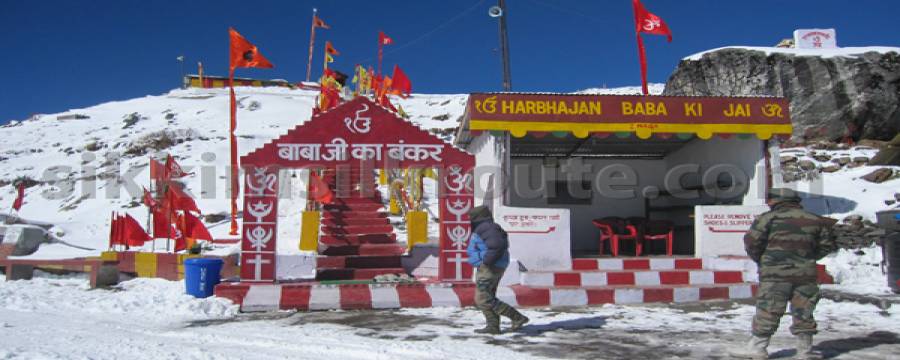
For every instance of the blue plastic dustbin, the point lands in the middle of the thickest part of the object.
(201, 275)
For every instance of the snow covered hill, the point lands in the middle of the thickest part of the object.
(92, 161)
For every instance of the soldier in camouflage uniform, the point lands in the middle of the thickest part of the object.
(785, 243)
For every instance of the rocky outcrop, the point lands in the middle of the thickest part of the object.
(831, 98)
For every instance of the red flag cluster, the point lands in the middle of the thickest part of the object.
(160, 172)
(125, 230)
(172, 218)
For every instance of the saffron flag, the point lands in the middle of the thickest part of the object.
(400, 84)
(318, 189)
(330, 49)
(648, 23)
(384, 39)
(173, 170)
(148, 200)
(20, 196)
(133, 234)
(318, 22)
(244, 54)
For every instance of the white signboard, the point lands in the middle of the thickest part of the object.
(815, 39)
(538, 238)
(719, 229)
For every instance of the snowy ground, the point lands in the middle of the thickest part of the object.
(53, 317)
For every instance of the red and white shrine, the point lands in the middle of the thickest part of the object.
(553, 240)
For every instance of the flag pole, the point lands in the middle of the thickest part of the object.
(643, 59)
(234, 165)
(312, 40)
(380, 52)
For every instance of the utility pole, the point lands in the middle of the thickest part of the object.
(180, 59)
(500, 11)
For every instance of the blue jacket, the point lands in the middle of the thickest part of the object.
(491, 249)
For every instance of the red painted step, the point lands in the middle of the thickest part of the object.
(353, 215)
(358, 229)
(355, 274)
(358, 262)
(354, 221)
(356, 200)
(339, 239)
(354, 207)
(364, 249)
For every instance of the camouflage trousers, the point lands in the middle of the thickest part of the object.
(486, 281)
(771, 301)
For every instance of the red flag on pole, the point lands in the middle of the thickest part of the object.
(649, 23)
(194, 228)
(243, 54)
(173, 170)
(162, 228)
(316, 23)
(330, 49)
(133, 233)
(177, 199)
(148, 200)
(382, 41)
(400, 84)
(112, 229)
(319, 23)
(157, 171)
(180, 240)
(20, 196)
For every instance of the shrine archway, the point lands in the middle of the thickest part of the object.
(355, 133)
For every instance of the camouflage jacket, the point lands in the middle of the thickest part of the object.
(786, 242)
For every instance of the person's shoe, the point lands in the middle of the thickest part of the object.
(492, 323)
(518, 322)
(755, 349)
(492, 330)
(804, 348)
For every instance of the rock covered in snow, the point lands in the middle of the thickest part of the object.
(832, 94)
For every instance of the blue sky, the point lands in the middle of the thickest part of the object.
(70, 54)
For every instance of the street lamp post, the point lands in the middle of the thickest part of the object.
(499, 11)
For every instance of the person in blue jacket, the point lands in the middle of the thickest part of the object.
(489, 253)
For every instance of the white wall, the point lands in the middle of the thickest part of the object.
(584, 233)
(747, 155)
(488, 153)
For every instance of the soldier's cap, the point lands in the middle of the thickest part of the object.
(783, 194)
(480, 213)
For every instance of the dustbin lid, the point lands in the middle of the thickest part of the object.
(203, 261)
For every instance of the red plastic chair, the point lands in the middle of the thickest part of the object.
(649, 230)
(615, 229)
